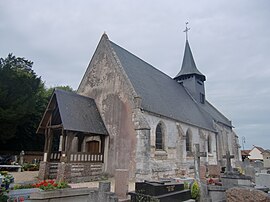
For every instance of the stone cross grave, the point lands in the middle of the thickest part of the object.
(197, 156)
(228, 161)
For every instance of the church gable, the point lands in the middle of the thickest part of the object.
(107, 83)
(105, 71)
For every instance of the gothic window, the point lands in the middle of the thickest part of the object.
(159, 137)
(188, 141)
(209, 144)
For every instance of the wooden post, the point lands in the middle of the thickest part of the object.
(70, 136)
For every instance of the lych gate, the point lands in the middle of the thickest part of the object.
(75, 138)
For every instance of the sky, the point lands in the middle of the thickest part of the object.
(230, 41)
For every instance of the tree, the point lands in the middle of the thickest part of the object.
(50, 90)
(21, 100)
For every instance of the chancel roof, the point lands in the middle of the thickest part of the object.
(163, 95)
(78, 113)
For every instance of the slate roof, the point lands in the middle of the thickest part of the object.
(188, 65)
(259, 148)
(163, 95)
(245, 152)
(79, 113)
(160, 93)
(216, 115)
(266, 151)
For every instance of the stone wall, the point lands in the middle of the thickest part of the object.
(102, 194)
(173, 161)
(227, 141)
(79, 172)
(106, 82)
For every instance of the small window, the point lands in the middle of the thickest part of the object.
(188, 141)
(209, 144)
(159, 137)
(202, 98)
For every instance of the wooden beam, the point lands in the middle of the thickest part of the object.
(52, 126)
(55, 126)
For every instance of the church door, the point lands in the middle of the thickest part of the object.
(93, 147)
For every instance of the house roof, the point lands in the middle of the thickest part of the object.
(259, 148)
(266, 151)
(78, 113)
(245, 152)
(163, 95)
(188, 65)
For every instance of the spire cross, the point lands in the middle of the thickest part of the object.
(186, 30)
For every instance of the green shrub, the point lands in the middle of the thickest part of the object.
(4, 172)
(30, 166)
(195, 190)
(3, 194)
(22, 186)
(186, 185)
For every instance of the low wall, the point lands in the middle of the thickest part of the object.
(100, 194)
(262, 179)
(217, 193)
(67, 195)
(79, 172)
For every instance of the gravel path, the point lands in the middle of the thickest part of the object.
(26, 176)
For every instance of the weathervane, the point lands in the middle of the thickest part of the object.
(186, 30)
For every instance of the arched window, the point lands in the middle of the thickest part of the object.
(209, 144)
(188, 141)
(159, 137)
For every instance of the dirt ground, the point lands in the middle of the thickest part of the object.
(26, 176)
(30, 176)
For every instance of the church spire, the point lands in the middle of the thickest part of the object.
(189, 76)
(188, 65)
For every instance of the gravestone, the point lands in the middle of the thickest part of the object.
(228, 162)
(197, 164)
(232, 178)
(250, 171)
(102, 194)
(258, 166)
(214, 171)
(121, 183)
(203, 172)
(262, 179)
(164, 191)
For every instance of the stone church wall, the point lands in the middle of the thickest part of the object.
(173, 160)
(106, 82)
(227, 141)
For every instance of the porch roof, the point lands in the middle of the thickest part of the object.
(77, 113)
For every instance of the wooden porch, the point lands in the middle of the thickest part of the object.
(74, 135)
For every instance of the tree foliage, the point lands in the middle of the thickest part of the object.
(23, 99)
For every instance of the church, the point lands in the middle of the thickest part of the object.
(126, 114)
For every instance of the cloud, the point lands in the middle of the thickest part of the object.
(229, 40)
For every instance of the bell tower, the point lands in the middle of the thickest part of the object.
(189, 76)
